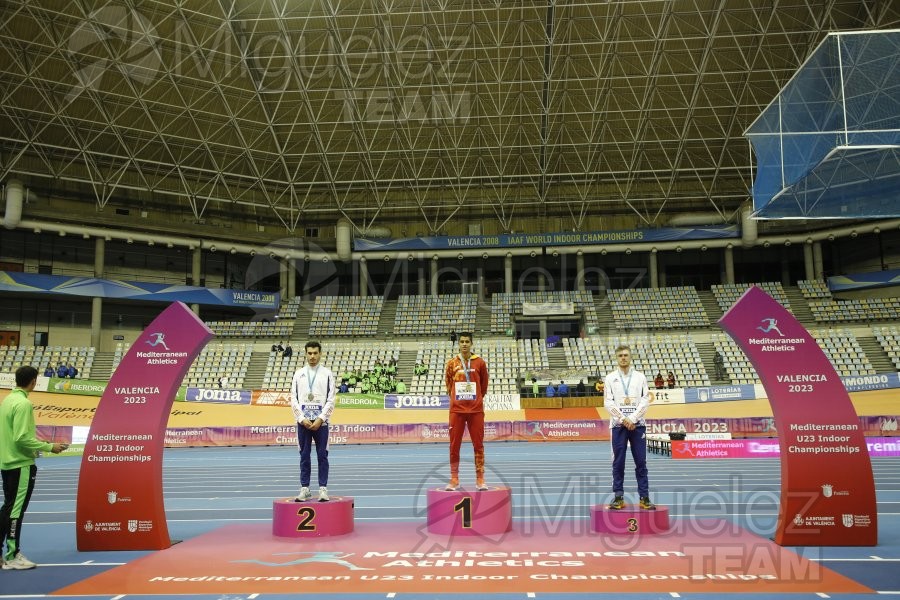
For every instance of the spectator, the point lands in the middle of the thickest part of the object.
(49, 372)
(453, 338)
(535, 388)
(288, 351)
(563, 389)
(62, 371)
(599, 387)
(72, 371)
(671, 380)
(580, 389)
(719, 362)
(658, 381)
(400, 387)
(550, 392)
(343, 389)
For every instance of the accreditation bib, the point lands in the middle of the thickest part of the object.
(466, 391)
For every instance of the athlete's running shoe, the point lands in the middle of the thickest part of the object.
(323, 494)
(618, 503)
(19, 563)
(304, 494)
(453, 485)
(646, 504)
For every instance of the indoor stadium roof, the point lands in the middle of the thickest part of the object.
(398, 110)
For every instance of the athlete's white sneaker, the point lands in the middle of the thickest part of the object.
(19, 563)
(323, 494)
(304, 494)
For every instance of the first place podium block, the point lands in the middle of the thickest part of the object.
(311, 518)
(629, 520)
(463, 512)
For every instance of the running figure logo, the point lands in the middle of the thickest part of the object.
(771, 324)
(158, 338)
(335, 558)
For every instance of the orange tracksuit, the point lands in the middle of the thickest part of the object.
(466, 412)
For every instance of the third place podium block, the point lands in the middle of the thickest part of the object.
(464, 512)
(630, 520)
(311, 518)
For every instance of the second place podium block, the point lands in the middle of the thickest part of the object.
(464, 512)
(311, 518)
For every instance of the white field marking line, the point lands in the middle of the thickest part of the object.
(855, 559)
(252, 596)
(529, 595)
(675, 594)
(86, 563)
(819, 594)
(119, 597)
(391, 594)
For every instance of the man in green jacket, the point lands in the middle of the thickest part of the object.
(18, 448)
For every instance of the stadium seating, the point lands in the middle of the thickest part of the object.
(346, 316)
(826, 309)
(251, 329)
(889, 338)
(650, 355)
(508, 360)
(657, 308)
(505, 305)
(80, 357)
(737, 366)
(727, 294)
(839, 345)
(340, 358)
(289, 309)
(214, 362)
(435, 315)
(843, 351)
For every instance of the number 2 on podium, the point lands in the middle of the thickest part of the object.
(465, 507)
(306, 515)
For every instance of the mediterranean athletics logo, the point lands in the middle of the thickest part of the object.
(155, 357)
(334, 558)
(771, 343)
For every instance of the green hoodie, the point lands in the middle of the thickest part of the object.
(18, 444)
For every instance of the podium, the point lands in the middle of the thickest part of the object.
(470, 513)
(630, 520)
(311, 518)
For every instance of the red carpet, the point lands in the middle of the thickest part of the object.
(699, 556)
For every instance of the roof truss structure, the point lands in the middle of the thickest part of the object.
(387, 110)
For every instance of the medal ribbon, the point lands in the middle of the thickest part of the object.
(465, 366)
(626, 383)
(311, 381)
